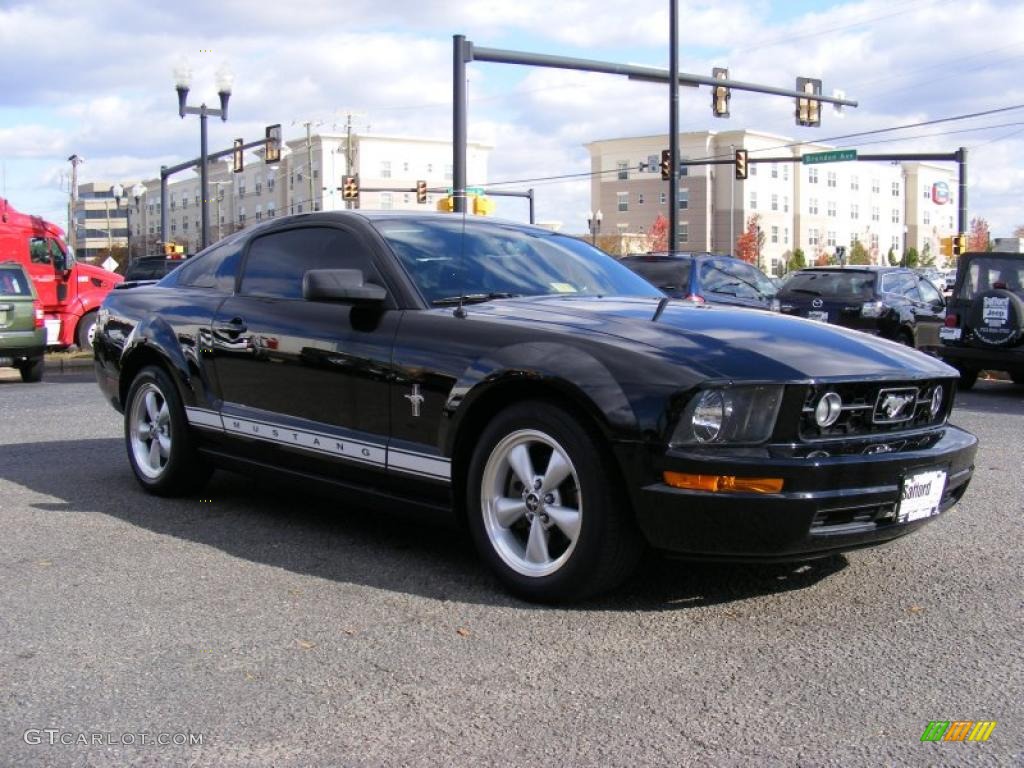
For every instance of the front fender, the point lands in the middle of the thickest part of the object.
(154, 335)
(567, 369)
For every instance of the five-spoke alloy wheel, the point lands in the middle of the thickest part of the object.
(543, 507)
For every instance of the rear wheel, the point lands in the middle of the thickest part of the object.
(32, 371)
(161, 449)
(544, 512)
(86, 331)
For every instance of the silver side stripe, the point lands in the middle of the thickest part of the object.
(376, 454)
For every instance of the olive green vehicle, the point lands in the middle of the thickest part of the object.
(22, 331)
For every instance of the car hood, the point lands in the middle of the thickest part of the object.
(93, 272)
(725, 342)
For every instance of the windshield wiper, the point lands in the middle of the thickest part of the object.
(473, 298)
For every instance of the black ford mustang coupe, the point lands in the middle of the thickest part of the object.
(565, 409)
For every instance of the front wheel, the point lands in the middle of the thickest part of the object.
(543, 509)
(86, 331)
(161, 450)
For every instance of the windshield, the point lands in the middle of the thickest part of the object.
(985, 273)
(447, 258)
(857, 284)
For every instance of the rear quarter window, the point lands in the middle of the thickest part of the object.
(14, 283)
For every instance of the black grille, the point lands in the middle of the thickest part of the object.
(876, 408)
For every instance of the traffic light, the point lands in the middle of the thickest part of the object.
(741, 164)
(446, 204)
(237, 159)
(666, 164)
(273, 149)
(349, 187)
(421, 191)
(720, 95)
(483, 206)
(946, 246)
(808, 110)
(959, 244)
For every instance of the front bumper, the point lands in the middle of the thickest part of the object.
(827, 505)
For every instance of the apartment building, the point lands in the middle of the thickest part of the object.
(814, 207)
(307, 178)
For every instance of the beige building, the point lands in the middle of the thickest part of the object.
(814, 207)
(101, 223)
(308, 177)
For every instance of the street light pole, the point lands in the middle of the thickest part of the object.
(182, 81)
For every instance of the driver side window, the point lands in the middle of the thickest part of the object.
(39, 251)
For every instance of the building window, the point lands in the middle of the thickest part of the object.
(623, 170)
(184, 225)
(197, 199)
(785, 171)
(775, 202)
(874, 242)
(812, 236)
(854, 239)
(831, 241)
(876, 186)
(832, 208)
(298, 208)
(270, 210)
(174, 226)
(895, 215)
(259, 213)
(684, 170)
(927, 217)
(775, 234)
(927, 192)
(259, 187)
(639, 198)
(895, 189)
(449, 172)
(812, 175)
(241, 215)
(875, 213)
(270, 183)
(430, 168)
(775, 170)
(785, 202)
(896, 242)
(241, 187)
(684, 198)
(830, 178)
(385, 169)
(812, 206)
(386, 201)
(298, 176)
(854, 183)
(751, 169)
(684, 232)
(662, 198)
(785, 235)
(854, 211)
(316, 173)
(623, 201)
(405, 166)
(753, 199)
(406, 199)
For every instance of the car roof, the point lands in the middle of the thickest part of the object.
(676, 255)
(855, 268)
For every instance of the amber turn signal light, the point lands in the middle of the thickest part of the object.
(723, 483)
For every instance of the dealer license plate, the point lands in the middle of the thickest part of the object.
(821, 317)
(922, 494)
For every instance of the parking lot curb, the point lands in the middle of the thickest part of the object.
(60, 364)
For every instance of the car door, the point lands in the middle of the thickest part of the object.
(306, 382)
(929, 313)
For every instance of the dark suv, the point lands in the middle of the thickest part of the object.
(890, 302)
(150, 268)
(984, 327)
(705, 277)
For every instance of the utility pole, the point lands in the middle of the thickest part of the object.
(673, 124)
(349, 155)
(75, 161)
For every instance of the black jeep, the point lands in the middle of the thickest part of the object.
(984, 327)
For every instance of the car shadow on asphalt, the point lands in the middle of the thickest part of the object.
(284, 526)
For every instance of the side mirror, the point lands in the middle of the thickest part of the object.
(341, 285)
(60, 261)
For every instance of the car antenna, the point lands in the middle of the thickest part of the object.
(662, 303)
(460, 310)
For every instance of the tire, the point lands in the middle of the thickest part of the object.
(906, 338)
(32, 371)
(968, 378)
(161, 450)
(86, 331)
(537, 553)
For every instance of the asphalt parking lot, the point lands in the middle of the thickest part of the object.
(290, 630)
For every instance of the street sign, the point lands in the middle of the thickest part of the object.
(109, 264)
(832, 156)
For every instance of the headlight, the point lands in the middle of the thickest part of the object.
(936, 404)
(872, 309)
(729, 415)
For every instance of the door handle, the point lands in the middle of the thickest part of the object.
(235, 325)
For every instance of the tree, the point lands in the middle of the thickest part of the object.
(911, 257)
(796, 261)
(859, 254)
(749, 242)
(978, 236)
(1019, 231)
(927, 257)
(658, 234)
(892, 258)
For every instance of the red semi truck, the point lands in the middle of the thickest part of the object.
(70, 291)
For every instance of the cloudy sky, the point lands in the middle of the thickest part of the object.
(95, 78)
